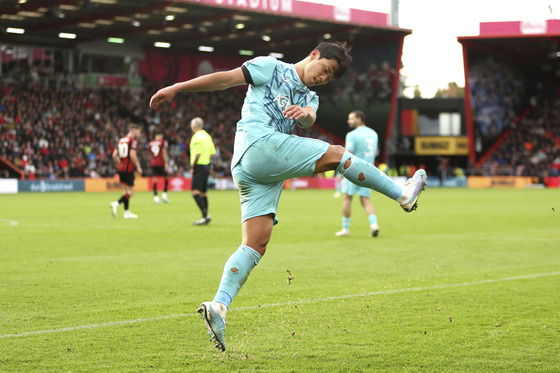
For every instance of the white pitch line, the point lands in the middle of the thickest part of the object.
(93, 326)
(381, 292)
(76, 226)
(11, 223)
(475, 237)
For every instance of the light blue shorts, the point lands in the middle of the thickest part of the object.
(350, 188)
(260, 173)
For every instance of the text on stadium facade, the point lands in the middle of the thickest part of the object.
(274, 5)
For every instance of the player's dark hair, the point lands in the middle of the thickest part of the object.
(360, 114)
(339, 51)
(134, 126)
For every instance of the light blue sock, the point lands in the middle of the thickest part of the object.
(372, 219)
(236, 271)
(345, 223)
(367, 175)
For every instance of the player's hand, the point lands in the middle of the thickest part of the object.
(163, 95)
(295, 112)
(139, 170)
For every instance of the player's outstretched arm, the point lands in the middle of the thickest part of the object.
(212, 82)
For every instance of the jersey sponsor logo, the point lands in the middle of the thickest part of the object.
(155, 149)
(283, 101)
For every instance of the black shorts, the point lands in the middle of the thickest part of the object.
(200, 178)
(158, 171)
(127, 178)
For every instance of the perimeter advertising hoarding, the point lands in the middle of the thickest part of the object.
(43, 186)
(8, 186)
(113, 185)
(499, 182)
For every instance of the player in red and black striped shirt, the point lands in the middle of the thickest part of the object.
(126, 160)
(160, 167)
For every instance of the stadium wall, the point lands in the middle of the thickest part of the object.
(144, 184)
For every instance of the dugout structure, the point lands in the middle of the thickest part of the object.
(510, 68)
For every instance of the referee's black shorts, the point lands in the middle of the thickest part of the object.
(126, 178)
(200, 177)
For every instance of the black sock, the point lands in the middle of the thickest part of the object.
(122, 199)
(155, 189)
(205, 200)
(165, 186)
(126, 201)
(200, 204)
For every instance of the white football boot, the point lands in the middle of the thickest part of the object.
(114, 206)
(411, 191)
(129, 215)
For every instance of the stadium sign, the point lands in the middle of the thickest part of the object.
(43, 186)
(441, 145)
(274, 5)
(8, 186)
(303, 9)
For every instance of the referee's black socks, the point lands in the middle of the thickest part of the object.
(200, 202)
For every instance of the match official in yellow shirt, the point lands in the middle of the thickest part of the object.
(202, 149)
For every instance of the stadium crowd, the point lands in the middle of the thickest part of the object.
(51, 129)
(531, 146)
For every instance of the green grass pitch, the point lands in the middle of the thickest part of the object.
(469, 282)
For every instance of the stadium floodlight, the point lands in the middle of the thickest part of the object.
(134, 22)
(115, 40)
(240, 26)
(276, 55)
(162, 44)
(327, 36)
(66, 35)
(265, 37)
(15, 30)
(204, 48)
(245, 52)
(169, 17)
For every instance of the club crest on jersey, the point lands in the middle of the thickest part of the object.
(283, 101)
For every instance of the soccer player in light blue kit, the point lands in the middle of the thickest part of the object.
(266, 154)
(362, 142)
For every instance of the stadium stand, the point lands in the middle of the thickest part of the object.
(532, 146)
(50, 129)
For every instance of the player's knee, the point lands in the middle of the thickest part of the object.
(258, 245)
(336, 153)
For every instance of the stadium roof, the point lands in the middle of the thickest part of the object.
(531, 43)
(228, 26)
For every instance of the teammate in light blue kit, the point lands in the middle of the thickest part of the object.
(362, 142)
(265, 154)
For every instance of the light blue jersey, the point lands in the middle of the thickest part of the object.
(275, 86)
(362, 142)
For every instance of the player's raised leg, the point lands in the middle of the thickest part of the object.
(367, 175)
